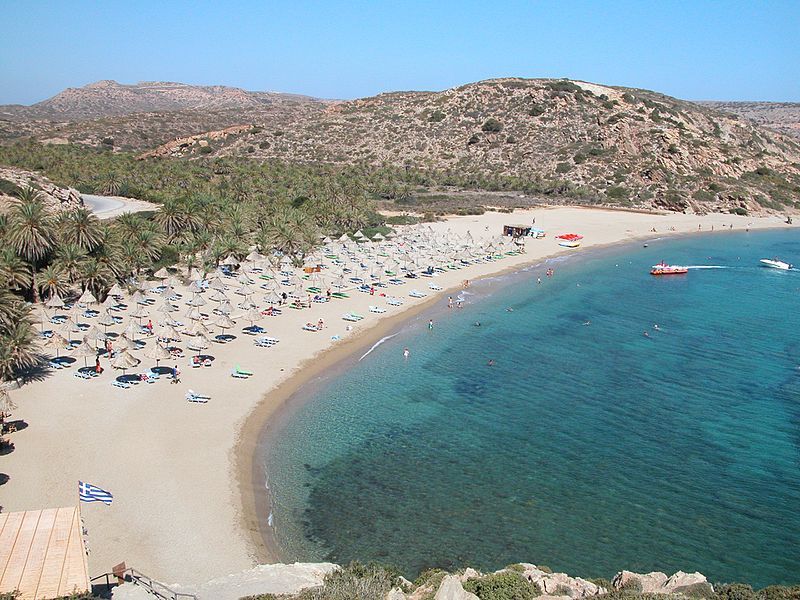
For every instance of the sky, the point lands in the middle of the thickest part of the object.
(696, 50)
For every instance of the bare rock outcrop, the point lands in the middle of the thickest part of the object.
(659, 583)
(451, 589)
(561, 584)
(56, 198)
(185, 145)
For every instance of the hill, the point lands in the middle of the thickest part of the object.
(783, 117)
(566, 138)
(562, 140)
(109, 99)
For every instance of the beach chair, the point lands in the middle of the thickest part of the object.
(193, 396)
(376, 309)
(417, 294)
(242, 371)
(356, 315)
(236, 375)
(55, 365)
(394, 302)
(349, 317)
(435, 288)
(81, 375)
(309, 327)
(121, 384)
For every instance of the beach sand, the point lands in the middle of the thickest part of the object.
(182, 474)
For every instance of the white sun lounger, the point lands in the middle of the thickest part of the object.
(435, 288)
(417, 294)
(193, 396)
(394, 302)
(377, 309)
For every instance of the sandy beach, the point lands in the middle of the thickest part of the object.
(182, 474)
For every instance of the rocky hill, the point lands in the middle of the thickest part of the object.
(56, 198)
(109, 98)
(602, 144)
(783, 117)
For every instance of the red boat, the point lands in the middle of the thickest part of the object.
(663, 268)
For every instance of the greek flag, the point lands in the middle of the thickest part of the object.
(91, 493)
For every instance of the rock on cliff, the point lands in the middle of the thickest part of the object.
(56, 198)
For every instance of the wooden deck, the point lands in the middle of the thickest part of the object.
(42, 553)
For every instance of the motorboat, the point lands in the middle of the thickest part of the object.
(569, 244)
(776, 264)
(663, 268)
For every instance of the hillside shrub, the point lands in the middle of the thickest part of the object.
(617, 192)
(492, 125)
(742, 212)
(511, 140)
(436, 117)
(563, 167)
(474, 139)
(564, 85)
(736, 591)
(506, 585)
(697, 590)
(537, 110)
(9, 188)
(264, 145)
(206, 149)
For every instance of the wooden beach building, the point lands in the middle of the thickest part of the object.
(42, 553)
(517, 231)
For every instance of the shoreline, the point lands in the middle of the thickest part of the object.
(186, 477)
(276, 404)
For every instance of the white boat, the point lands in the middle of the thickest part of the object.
(776, 264)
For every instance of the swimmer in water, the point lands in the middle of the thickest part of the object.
(656, 327)
(490, 363)
(477, 323)
(509, 309)
(647, 335)
(406, 353)
(588, 323)
(430, 324)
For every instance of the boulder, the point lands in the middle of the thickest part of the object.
(561, 584)
(451, 589)
(658, 583)
(395, 594)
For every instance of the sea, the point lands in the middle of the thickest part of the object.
(626, 422)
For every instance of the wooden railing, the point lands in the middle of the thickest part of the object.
(158, 589)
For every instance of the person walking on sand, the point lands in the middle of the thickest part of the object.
(449, 302)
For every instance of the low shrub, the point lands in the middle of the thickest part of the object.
(505, 585)
(492, 125)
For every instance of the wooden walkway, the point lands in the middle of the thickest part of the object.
(42, 553)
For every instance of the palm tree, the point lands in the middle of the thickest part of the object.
(15, 273)
(53, 280)
(17, 348)
(95, 276)
(70, 259)
(30, 231)
(129, 224)
(82, 228)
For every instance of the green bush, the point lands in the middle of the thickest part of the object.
(402, 220)
(355, 581)
(511, 140)
(264, 145)
(632, 586)
(474, 139)
(436, 117)
(563, 167)
(735, 591)
(537, 110)
(697, 590)
(206, 149)
(565, 85)
(505, 585)
(492, 125)
(742, 212)
(9, 188)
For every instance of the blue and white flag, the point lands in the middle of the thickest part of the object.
(91, 493)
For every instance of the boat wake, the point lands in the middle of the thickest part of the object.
(375, 345)
(707, 267)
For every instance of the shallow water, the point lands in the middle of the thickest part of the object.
(588, 448)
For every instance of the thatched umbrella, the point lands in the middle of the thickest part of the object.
(194, 314)
(87, 298)
(57, 341)
(124, 360)
(54, 301)
(217, 284)
(162, 273)
(139, 313)
(225, 308)
(157, 352)
(199, 328)
(218, 296)
(253, 315)
(224, 322)
(132, 329)
(168, 332)
(137, 297)
(196, 300)
(195, 287)
(6, 403)
(84, 351)
(230, 261)
(199, 343)
(116, 290)
(106, 320)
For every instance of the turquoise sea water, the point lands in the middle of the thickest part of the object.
(587, 448)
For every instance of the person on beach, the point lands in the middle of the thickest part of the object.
(320, 324)
(406, 353)
(430, 325)
(176, 375)
(449, 302)
(328, 294)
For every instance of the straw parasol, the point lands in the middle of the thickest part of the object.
(199, 343)
(196, 300)
(157, 352)
(84, 351)
(106, 320)
(139, 313)
(87, 298)
(253, 315)
(6, 403)
(162, 273)
(54, 301)
(170, 333)
(56, 341)
(225, 308)
(199, 328)
(116, 290)
(124, 360)
(224, 322)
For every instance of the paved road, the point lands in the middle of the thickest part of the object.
(101, 204)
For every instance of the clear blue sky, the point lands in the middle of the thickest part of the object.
(730, 50)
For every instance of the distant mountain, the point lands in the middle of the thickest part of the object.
(567, 138)
(110, 99)
(780, 116)
(564, 139)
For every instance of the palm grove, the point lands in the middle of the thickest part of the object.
(47, 253)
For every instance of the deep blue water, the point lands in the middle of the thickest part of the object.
(587, 448)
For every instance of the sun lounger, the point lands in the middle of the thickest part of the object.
(242, 371)
(193, 396)
(237, 375)
(357, 316)
(394, 302)
(254, 330)
(435, 288)
(349, 317)
(81, 375)
(416, 294)
(377, 309)
(54, 365)
(121, 384)
(308, 327)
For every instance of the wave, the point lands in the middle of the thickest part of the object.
(375, 345)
